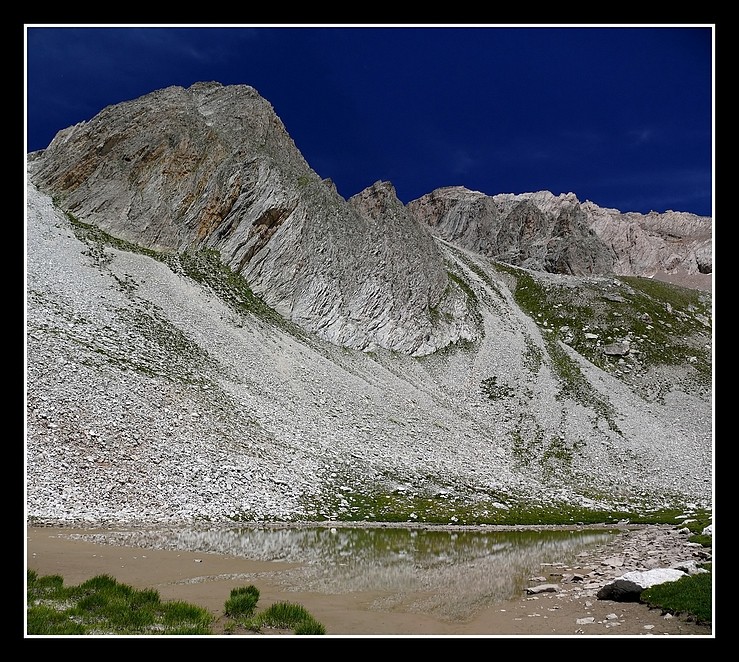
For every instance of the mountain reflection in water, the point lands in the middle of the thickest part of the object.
(452, 573)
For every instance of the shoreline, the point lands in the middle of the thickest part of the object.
(307, 524)
(205, 579)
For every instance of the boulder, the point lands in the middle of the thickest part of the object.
(628, 587)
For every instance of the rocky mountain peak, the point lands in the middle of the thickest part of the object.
(213, 167)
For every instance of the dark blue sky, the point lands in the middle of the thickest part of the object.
(622, 116)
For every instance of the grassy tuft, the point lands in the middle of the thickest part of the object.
(289, 616)
(243, 602)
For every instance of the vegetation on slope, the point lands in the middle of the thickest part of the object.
(657, 325)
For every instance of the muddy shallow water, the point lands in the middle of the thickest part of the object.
(357, 581)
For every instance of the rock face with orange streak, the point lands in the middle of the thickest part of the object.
(212, 166)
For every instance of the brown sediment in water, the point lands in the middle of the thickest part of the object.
(206, 579)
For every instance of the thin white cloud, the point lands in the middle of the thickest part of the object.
(462, 162)
(638, 137)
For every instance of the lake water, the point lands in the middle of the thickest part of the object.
(454, 571)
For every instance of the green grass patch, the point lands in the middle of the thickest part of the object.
(288, 616)
(439, 505)
(243, 602)
(690, 596)
(102, 605)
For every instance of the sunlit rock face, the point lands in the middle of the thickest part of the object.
(675, 246)
(536, 231)
(212, 166)
(559, 234)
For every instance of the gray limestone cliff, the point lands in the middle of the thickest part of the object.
(212, 166)
(535, 231)
(560, 234)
